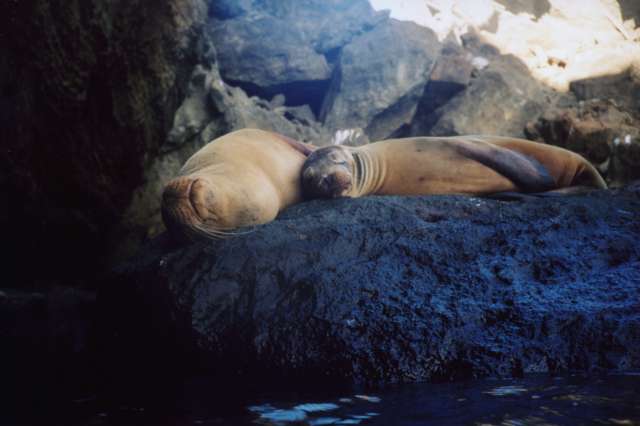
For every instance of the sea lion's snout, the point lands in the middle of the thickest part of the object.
(202, 198)
(188, 202)
(337, 184)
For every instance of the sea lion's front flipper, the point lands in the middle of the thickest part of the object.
(528, 174)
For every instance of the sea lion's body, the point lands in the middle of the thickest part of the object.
(243, 178)
(473, 165)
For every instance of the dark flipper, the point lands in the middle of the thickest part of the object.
(525, 172)
(302, 147)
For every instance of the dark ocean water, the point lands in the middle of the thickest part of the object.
(536, 400)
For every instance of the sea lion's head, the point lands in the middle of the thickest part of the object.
(328, 173)
(195, 205)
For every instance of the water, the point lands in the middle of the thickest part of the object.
(535, 400)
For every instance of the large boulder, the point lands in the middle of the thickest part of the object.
(265, 51)
(287, 46)
(394, 289)
(500, 99)
(327, 25)
(379, 79)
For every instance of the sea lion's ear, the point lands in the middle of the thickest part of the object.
(308, 172)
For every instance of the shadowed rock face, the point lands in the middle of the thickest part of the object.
(391, 289)
(88, 91)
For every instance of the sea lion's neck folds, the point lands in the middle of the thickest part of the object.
(369, 173)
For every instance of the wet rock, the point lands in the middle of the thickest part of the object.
(395, 289)
(379, 79)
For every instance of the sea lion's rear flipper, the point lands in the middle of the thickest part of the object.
(304, 148)
(528, 174)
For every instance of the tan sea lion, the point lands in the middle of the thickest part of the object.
(474, 165)
(243, 178)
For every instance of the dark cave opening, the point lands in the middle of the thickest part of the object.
(296, 93)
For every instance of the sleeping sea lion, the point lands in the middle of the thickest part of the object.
(243, 178)
(473, 165)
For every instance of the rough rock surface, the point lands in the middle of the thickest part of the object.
(289, 46)
(266, 51)
(88, 91)
(393, 289)
(379, 79)
(500, 98)
(604, 133)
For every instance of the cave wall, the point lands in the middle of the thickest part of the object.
(88, 91)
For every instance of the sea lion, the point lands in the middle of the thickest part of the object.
(243, 178)
(473, 165)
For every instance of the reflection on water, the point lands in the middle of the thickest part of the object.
(532, 401)
(313, 413)
(576, 400)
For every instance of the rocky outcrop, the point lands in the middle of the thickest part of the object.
(605, 134)
(395, 289)
(496, 95)
(265, 51)
(379, 79)
(89, 90)
(287, 47)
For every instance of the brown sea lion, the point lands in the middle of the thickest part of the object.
(243, 178)
(474, 165)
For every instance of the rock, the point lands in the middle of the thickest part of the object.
(560, 43)
(265, 51)
(89, 90)
(327, 25)
(46, 345)
(623, 89)
(289, 47)
(500, 99)
(395, 289)
(450, 76)
(379, 79)
(227, 9)
(196, 111)
(605, 134)
(240, 111)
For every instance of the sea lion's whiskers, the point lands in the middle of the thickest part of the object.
(217, 232)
